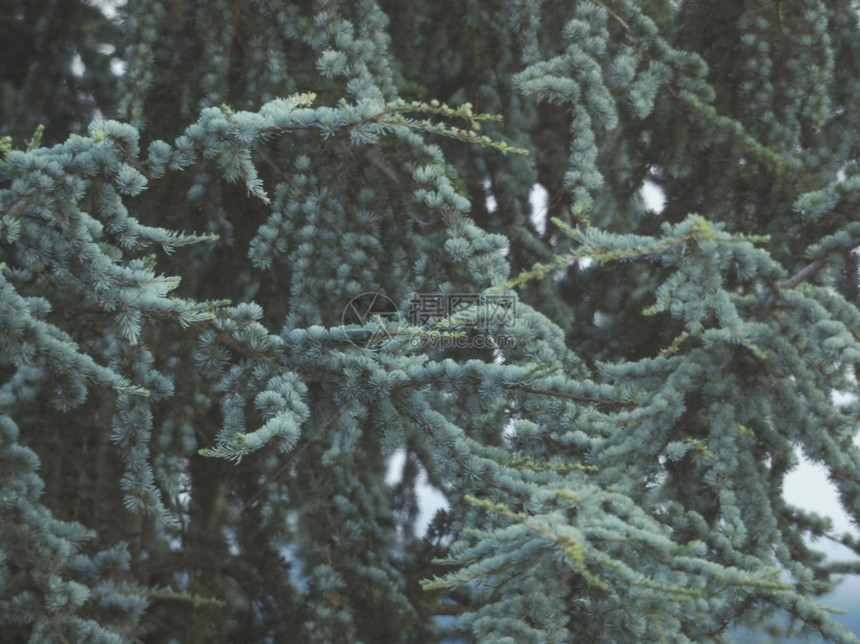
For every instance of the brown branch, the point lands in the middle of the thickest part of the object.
(801, 276)
(18, 208)
(804, 273)
(614, 15)
(230, 342)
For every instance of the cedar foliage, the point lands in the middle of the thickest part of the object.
(194, 440)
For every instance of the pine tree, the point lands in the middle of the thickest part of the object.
(250, 250)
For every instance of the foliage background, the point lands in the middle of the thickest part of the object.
(203, 457)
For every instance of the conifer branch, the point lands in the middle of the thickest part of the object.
(805, 274)
(574, 397)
